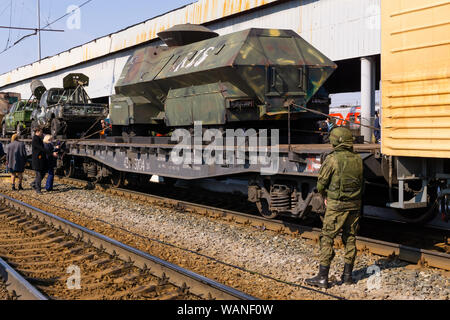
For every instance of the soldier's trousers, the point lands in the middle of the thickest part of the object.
(333, 222)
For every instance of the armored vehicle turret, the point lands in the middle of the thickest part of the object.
(250, 77)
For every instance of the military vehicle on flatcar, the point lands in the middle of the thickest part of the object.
(247, 79)
(18, 120)
(69, 111)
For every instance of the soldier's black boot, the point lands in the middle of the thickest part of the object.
(321, 280)
(347, 275)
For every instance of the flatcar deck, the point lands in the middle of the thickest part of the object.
(142, 157)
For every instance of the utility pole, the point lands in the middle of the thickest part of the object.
(37, 31)
(39, 28)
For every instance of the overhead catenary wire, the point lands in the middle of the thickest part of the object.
(68, 13)
(19, 21)
(10, 24)
(43, 28)
(4, 10)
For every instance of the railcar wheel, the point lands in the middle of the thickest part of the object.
(118, 179)
(265, 211)
(69, 170)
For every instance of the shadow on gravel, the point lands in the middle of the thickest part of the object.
(378, 267)
(62, 190)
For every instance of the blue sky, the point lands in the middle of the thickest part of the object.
(98, 18)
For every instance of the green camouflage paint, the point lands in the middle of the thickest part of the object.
(244, 76)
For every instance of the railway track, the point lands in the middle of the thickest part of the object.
(16, 285)
(51, 258)
(410, 254)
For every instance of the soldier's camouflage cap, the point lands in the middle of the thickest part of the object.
(341, 136)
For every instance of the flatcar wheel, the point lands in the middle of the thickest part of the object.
(118, 179)
(69, 170)
(265, 211)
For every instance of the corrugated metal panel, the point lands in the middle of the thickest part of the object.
(200, 12)
(341, 29)
(103, 75)
(416, 78)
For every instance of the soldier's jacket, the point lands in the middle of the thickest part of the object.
(341, 179)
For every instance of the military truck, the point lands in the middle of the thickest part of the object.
(69, 111)
(7, 99)
(18, 120)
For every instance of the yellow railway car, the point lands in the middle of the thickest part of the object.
(416, 101)
(416, 78)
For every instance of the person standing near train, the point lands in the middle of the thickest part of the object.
(51, 162)
(40, 160)
(341, 183)
(16, 160)
(377, 125)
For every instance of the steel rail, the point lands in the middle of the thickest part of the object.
(17, 286)
(405, 253)
(182, 278)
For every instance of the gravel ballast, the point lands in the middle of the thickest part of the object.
(264, 264)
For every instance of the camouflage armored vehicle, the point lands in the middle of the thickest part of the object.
(248, 78)
(7, 99)
(18, 120)
(69, 111)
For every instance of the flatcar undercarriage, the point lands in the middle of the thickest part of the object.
(282, 185)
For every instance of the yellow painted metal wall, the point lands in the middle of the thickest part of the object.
(416, 78)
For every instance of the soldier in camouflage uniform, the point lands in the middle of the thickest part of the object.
(341, 183)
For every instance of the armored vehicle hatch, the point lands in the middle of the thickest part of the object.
(184, 34)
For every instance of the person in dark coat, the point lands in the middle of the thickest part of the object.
(51, 162)
(377, 125)
(2, 152)
(3, 156)
(40, 162)
(16, 161)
